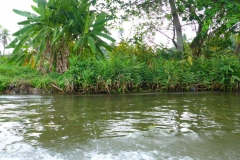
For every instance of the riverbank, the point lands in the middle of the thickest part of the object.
(127, 74)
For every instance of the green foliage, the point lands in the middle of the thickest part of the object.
(132, 68)
(12, 74)
(4, 82)
(220, 72)
(214, 21)
(109, 75)
(15, 75)
(128, 70)
(58, 30)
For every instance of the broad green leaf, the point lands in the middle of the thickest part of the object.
(87, 27)
(42, 7)
(24, 30)
(24, 13)
(59, 35)
(78, 43)
(92, 44)
(37, 20)
(21, 42)
(104, 36)
(56, 32)
(82, 22)
(41, 50)
(39, 36)
(13, 58)
(51, 2)
(42, 46)
(229, 25)
(78, 17)
(101, 16)
(70, 23)
(91, 20)
(34, 8)
(21, 58)
(84, 6)
(24, 22)
(100, 24)
(13, 43)
(100, 42)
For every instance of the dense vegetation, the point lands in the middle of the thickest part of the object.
(133, 69)
(62, 46)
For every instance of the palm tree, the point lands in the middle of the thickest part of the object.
(4, 37)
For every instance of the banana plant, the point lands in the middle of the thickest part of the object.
(34, 34)
(59, 29)
(93, 27)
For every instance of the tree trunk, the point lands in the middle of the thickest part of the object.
(177, 25)
(197, 42)
(62, 61)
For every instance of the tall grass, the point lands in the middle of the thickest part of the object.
(134, 69)
(129, 73)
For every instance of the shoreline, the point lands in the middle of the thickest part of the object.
(26, 88)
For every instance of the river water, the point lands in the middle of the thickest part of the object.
(195, 125)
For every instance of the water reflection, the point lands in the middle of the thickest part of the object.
(117, 126)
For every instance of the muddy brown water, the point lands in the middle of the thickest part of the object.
(157, 126)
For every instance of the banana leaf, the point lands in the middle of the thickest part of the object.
(25, 13)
